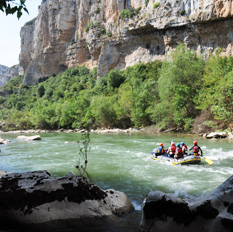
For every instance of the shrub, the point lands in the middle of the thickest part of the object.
(103, 110)
(101, 31)
(30, 22)
(14, 83)
(2, 100)
(41, 91)
(109, 34)
(89, 26)
(129, 13)
(183, 12)
(156, 5)
(114, 79)
(97, 10)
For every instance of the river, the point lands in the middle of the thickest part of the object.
(123, 162)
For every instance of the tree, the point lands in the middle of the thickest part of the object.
(179, 86)
(217, 92)
(103, 109)
(11, 7)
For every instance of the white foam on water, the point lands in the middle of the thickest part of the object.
(139, 154)
(218, 154)
(182, 194)
(221, 170)
(137, 206)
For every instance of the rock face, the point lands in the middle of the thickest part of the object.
(14, 71)
(36, 198)
(3, 70)
(78, 32)
(7, 73)
(210, 213)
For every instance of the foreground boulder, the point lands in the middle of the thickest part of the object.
(212, 213)
(36, 198)
(2, 173)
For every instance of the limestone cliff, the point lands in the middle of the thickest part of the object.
(7, 73)
(3, 70)
(67, 33)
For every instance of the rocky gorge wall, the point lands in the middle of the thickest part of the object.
(6, 73)
(68, 33)
(3, 70)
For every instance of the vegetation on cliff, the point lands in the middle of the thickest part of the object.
(170, 94)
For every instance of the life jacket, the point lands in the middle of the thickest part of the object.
(161, 150)
(172, 150)
(179, 152)
(195, 150)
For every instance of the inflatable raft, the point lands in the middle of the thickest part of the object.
(189, 159)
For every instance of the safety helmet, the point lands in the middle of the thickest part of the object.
(161, 144)
(178, 145)
(173, 143)
(195, 142)
(182, 143)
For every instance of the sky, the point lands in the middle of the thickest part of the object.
(10, 27)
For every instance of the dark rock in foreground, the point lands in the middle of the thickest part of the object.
(35, 199)
(213, 213)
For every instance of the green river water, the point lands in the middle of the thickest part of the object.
(123, 162)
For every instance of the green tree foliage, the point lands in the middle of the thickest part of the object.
(179, 86)
(139, 93)
(129, 13)
(103, 110)
(12, 7)
(217, 92)
(169, 93)
(156, 5)
(75, 99)
(114, 79)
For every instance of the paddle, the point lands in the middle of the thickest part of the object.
(208, 160)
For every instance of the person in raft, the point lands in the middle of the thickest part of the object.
(195, 149)
(184, 148)
(171, 151)
(161, 150)
(179, 152)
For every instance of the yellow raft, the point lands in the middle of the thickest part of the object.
(189, 159)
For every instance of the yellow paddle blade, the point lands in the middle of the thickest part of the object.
(208, 160)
